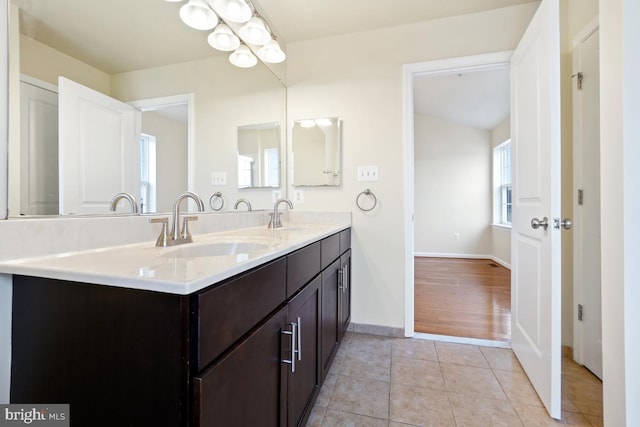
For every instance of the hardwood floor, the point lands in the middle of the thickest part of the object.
(468, 298)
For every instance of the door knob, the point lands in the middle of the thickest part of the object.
(566, 223)
(537, 223)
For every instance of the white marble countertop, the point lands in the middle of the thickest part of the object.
(145, 266)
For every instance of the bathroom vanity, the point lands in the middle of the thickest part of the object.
(238, 339)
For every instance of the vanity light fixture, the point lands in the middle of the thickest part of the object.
(243, 57)
(197, 14)
(205, 15)
(223, 38)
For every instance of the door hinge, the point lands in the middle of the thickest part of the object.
(580, 78)
(580, 312)
(580, 196)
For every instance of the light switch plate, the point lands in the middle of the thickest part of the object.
(218, 178)
(368, 173)
(298, 196)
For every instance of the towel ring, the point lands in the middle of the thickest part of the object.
(366, 192)
(212, 201)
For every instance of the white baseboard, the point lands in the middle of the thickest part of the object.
(463, 256)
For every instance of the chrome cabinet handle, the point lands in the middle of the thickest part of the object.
(346, 278)
(292, 333)
(299, 335)
(341, 279)
(537, 223)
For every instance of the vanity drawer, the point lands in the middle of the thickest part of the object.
(230, 310)
(302, 266)
(330, 250)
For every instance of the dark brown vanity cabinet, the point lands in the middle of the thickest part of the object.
(247, 351)
(336, 294)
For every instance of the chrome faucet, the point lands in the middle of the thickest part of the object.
(275, 222)
(126, 196)
(177, 235)
(245, 201)
(183, 236)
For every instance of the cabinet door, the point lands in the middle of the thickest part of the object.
(344, 294)
(243, 389)
(329, 330)
(304, 381)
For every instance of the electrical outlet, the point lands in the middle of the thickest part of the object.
(368, 173)
(298, 196)
(275, 195)
(218, 178)
(456, 236)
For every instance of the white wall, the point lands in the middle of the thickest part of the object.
(620, 156)
(171, 155)
(358, 77)
(452, 188)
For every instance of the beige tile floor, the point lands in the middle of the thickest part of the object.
(393, 382)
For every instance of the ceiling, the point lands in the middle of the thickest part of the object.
(479, 99)
(123, 35)
(297, 20)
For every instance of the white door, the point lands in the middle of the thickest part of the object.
(99, 153)
(586, 89)
(38, 150)
(536, 252)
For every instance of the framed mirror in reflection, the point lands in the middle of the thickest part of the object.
(125, 51)
(259, 155)
(316, 148)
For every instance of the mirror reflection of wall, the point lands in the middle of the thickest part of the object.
(316, 152)
(259, 155)
(165, 135)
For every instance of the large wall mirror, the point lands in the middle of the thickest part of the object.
(133, 53)
(316, 152)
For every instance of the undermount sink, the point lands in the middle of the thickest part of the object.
(216, 249)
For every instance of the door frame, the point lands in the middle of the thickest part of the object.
(578, 283)
(409, 72)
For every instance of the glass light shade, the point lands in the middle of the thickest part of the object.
(223, 39)
(271, 52)
(243, 57)
(255, 32)
(233, 10)
(197, 14)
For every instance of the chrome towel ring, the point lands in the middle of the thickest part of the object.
(369, 195)
(212, 199)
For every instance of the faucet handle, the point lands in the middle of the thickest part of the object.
(274, 222)
(185, 227)
(164, 234)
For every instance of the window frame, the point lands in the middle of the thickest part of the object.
(502, 184)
